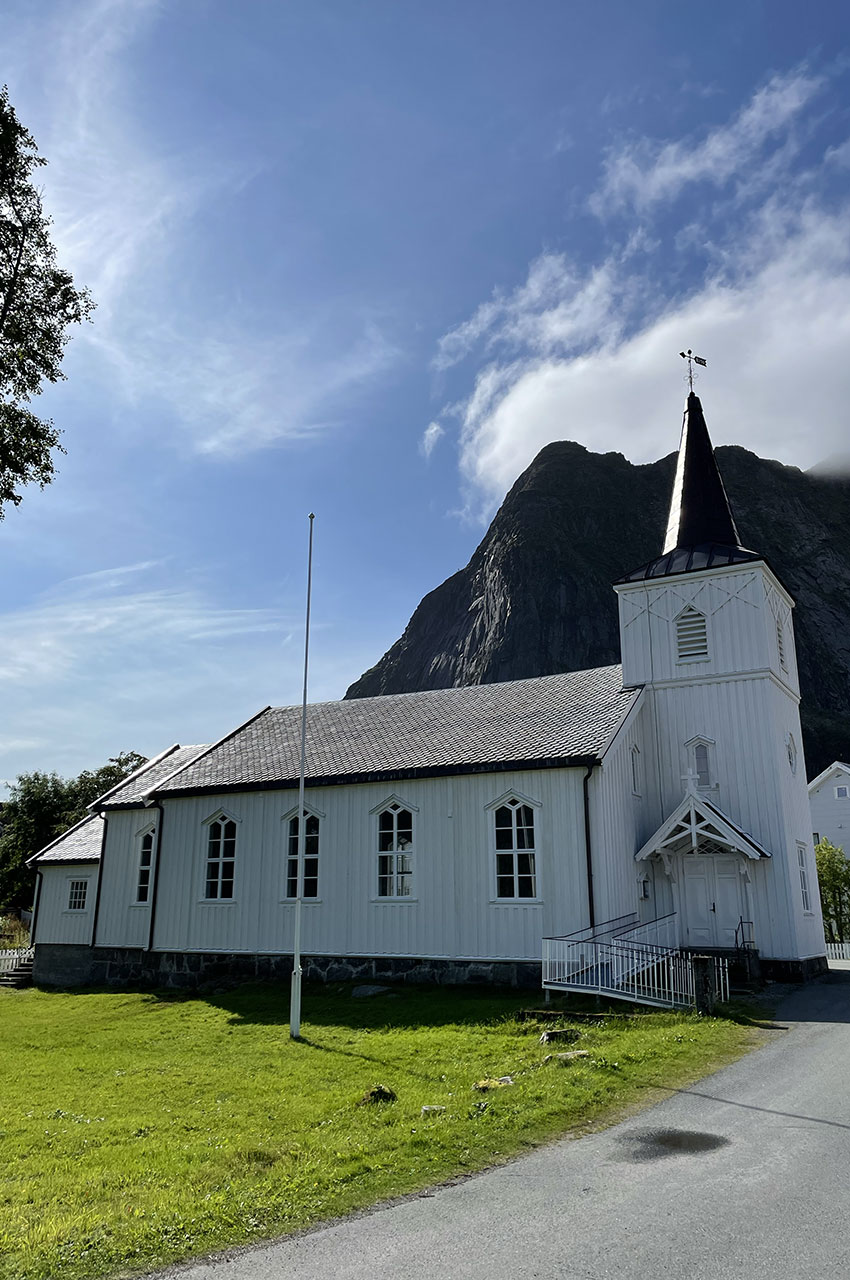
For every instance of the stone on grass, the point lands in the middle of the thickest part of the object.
(564, 1034)
(564, 1059)
(489, 1083)
(432, 1110)
(369, 989)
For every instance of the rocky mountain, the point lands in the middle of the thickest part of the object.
(536, 596)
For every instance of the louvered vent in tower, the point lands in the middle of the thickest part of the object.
(691, 635)
(780, 644)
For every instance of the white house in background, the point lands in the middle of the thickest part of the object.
(449, 832)
(829, 799)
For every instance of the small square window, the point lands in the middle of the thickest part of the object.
(841, 793)
(77, 894)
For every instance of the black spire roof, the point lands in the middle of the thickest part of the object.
(701, 532)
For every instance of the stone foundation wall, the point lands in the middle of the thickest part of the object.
(62, 965)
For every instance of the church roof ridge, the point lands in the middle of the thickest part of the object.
(541, 722)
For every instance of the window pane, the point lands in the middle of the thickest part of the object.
(142, 895)
(504, 864)
(385, 886)
(292, 878)
(504, 838)
(403, 864)
(212, 888)
(525, 864)
(403, 886)
(230, 830)
(505, 886)
(526, 887)
(504, 817)
(701, 762)
(385, 821)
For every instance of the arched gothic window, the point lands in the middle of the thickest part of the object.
(395, 851)
(311, 856)
(221, 858)
(514, 831)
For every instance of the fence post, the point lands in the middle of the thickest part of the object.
(705, 985)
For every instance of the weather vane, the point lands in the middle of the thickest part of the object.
(692, 360)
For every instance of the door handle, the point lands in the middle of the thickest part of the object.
(714, 908)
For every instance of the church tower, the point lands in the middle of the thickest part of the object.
(707, 629)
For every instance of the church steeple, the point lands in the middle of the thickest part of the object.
(701, 532)
(699, 508)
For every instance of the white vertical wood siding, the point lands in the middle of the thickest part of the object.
(744, 701)
(121, 922)
(622, 819)
(452, 912)
(741, 606)
(831, 816)
(55, 923)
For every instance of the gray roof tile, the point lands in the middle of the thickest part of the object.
(79, 844)
(522, 723)
(131, 793)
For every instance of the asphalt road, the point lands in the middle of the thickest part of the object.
(742, 1177)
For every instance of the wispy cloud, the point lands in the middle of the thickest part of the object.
(641, 174)
(590, 353)
(126, 211)
(430, 436)
(105, 651)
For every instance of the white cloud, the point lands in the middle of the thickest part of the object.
(777, 379)
(591, 354)
(641, 174)
(432, 433)
(126, 208)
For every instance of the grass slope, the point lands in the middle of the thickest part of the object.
(140, 1129)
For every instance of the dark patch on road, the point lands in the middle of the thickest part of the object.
(657, 1144)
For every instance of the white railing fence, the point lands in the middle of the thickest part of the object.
(628, 969)
(838, 950)
(11, 958)
(663, 932)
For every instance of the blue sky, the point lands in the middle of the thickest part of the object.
(367, 258)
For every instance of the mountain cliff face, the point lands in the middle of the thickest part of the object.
(536, 596)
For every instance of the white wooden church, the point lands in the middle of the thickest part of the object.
(450, 834)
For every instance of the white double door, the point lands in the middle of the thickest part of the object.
(712, 899)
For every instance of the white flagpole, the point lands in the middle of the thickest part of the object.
(295, 992)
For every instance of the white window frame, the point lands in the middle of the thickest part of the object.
(72, 883)
(842, 791)
(396, 804)
(803, 868)
(223, 816)
(691, 747)
(141, 866)
(286, 820)
(683, 625)
(509, 799)
(637, 770)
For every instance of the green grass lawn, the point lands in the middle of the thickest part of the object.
(140, 1129)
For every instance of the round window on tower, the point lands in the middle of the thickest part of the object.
(791, 749)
